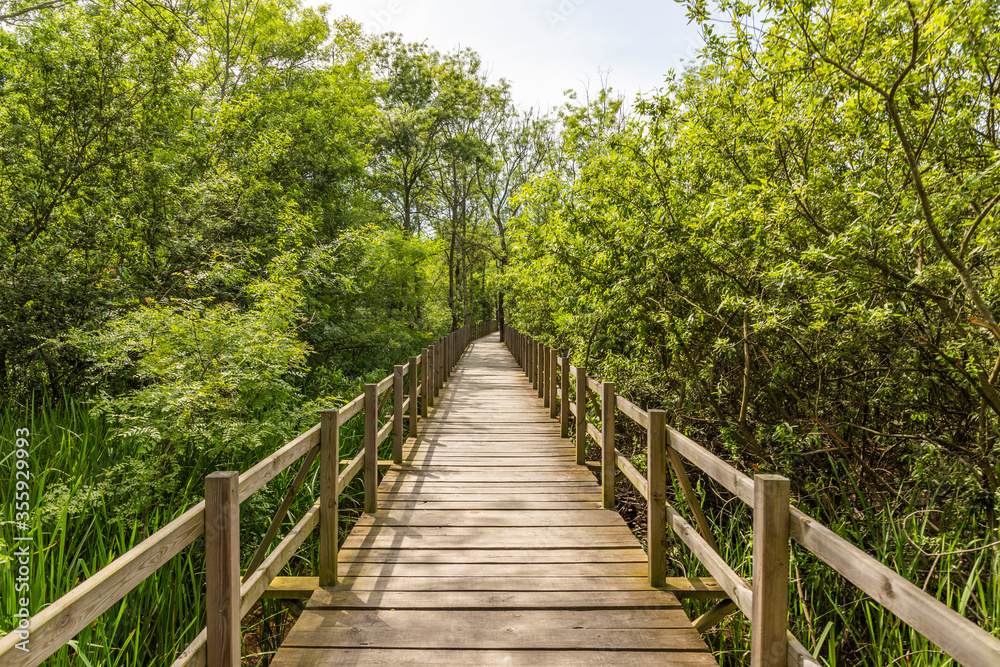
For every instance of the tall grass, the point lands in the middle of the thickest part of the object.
(951, 560)
(69, 447)
(838, 623)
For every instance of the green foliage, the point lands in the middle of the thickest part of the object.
(792, 249)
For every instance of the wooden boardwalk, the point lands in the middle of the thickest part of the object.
(490, 547)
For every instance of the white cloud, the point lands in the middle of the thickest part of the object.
(544, 47)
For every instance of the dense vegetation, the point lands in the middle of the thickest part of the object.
(792, 249)
(217, 217)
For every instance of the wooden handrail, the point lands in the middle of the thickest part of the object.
(59, 622)
(959, 637)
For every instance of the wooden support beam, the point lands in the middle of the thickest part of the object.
(564, 398)
(397, 414)
(414, 400)
(769, 618)
(553, 370)
(656, 509)
(608, 444)
(279, 516)
(222, 568)
(371, 448)
(581, 415)
(425, 386)
(329, 494)
(692, 498)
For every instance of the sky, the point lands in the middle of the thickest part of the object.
(544, 47)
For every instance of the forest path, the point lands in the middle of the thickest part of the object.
(490, 546)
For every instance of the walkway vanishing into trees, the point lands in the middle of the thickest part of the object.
(489, 541)
(490, 546)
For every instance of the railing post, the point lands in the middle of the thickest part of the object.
(397, 414)
(543, 389)
(564, 399)
(371, 448)
(553, 396)
(581, 416)
(540, 366)
(656, 508)
(769, 620)
(607, 444)
(222, 568)
(425, 390)
(329, 496)
(526, 366)
(438, 366)
(414, 399)
(534, 364)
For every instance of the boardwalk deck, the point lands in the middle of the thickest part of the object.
(490, 547)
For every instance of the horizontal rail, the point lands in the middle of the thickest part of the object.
(383, 384)
(633, 475)
(384, 432)
(58, 623)
(632, 411)
(351, 409)
(350, 471)
(251, 590)
(595, 433)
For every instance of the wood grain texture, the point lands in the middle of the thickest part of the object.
(769, 619)
(490, 541)
(371, 447)
(222, 568)
(608, 443)
(329, 490)
(656, 519)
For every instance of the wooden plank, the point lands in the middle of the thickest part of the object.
(492, 518)
(222, 568)
(360, 599)
(633, 554)
(663, 629)
(306, 657)
(450, 538)
(479, 504)
(486, 571)
(593, 584)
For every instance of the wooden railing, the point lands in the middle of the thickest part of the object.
(775, 522)
(230, 596)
